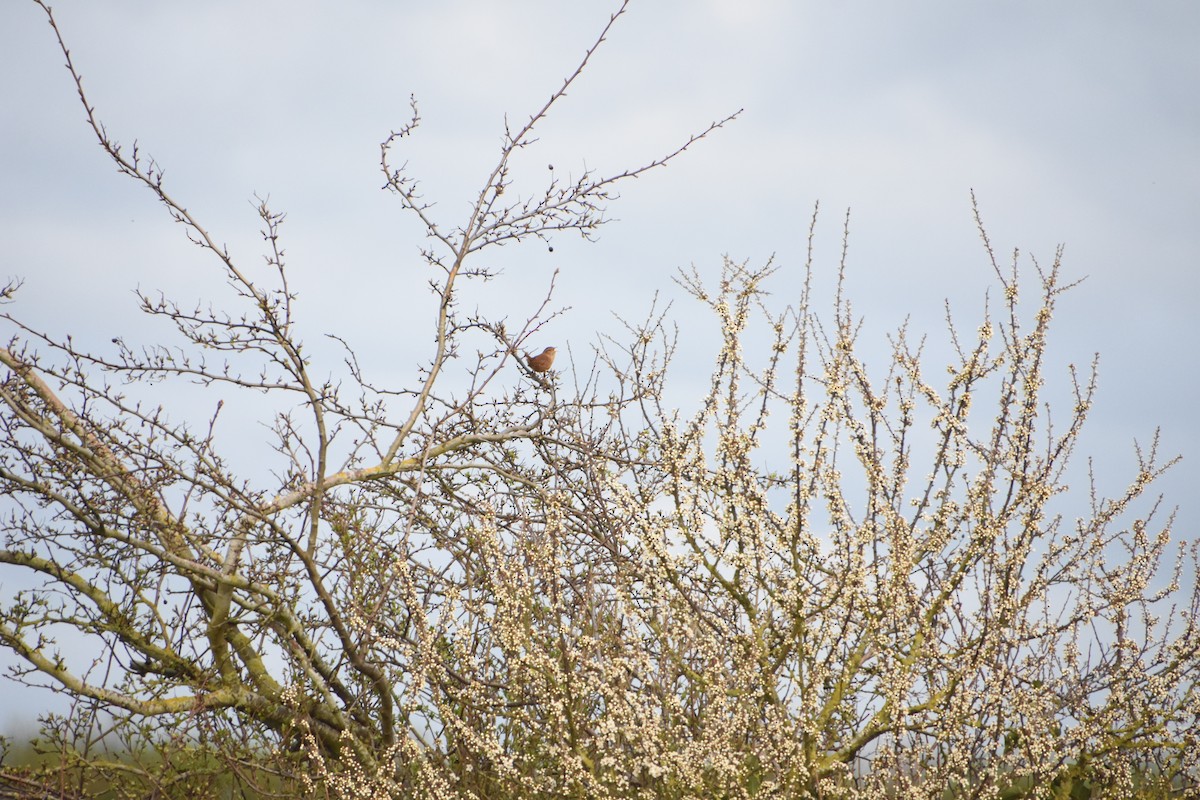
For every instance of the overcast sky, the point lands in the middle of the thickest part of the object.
(1075, 124)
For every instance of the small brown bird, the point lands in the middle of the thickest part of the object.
(543, 361)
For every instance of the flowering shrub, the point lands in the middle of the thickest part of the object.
(500, 592)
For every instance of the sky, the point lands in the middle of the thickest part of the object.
(1075, 125)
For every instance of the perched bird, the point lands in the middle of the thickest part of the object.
(543, 361)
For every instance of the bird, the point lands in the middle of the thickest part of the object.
(543, 361)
